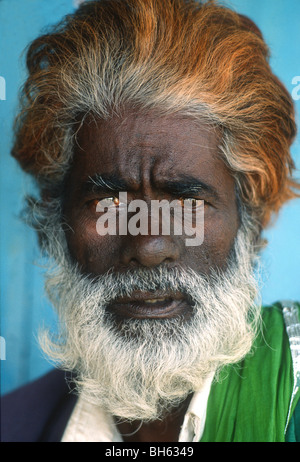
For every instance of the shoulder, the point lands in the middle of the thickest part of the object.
(37, 411)
(284, 316)
(281, 320)
(279, 333)
(256, 399)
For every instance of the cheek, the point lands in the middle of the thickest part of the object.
(219, 234)
(94, 253)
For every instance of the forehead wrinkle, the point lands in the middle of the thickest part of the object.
(142, 156)
(140, 165)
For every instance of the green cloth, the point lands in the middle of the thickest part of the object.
(293, 431)
(250, 402)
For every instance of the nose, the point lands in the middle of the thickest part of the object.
(149, 251)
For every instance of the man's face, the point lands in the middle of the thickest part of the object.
(151, 158)
(157, 317)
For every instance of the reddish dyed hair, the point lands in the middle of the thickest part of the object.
(199, 59)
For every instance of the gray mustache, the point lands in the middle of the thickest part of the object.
(164, 280)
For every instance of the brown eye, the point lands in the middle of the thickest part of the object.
(191, 202)
(104, 202)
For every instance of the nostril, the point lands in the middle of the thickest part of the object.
(150, 251)
(168, 260)
(133, 262)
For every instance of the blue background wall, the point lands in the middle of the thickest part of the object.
(23, 305)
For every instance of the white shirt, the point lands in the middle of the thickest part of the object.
(90, 423)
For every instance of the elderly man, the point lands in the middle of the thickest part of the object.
(161, 339)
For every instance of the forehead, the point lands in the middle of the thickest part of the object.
(137, 146)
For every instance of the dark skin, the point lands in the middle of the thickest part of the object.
(149, 158)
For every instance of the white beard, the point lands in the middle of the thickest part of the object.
(142, 368)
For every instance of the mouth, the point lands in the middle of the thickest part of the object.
(154, 305)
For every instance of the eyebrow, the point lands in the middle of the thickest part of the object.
(183, 186)
(186, 185)
(105, 183)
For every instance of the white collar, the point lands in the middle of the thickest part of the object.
(90, 423)
(194, 419)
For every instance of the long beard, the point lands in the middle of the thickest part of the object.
(139, 369)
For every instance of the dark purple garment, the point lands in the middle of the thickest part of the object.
(38, 411)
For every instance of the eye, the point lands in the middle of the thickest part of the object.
(191, 202)
(109, 201)
(112, 201)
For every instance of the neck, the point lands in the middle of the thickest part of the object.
(164, 430)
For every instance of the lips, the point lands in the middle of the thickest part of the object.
(155, 305)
